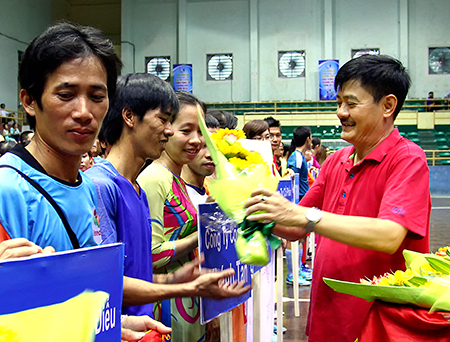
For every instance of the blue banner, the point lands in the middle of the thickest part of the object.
(182, 77)
(327, 72)
(217, 236)
(29, 283)
(285, 189)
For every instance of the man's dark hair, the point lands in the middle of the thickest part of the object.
(24, 137)
(301, 133)
(140, 93)
(272, 122)
(185, 98)
(211, 121)
(379, 75)
(315, 142)
(62, 43)
(226, 119)
(6, 146)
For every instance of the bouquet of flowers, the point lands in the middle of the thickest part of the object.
(425, 283)
(238, 172)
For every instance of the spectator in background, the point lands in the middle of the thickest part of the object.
(14, 131)
(25, 137)
(3, 113)
(316, 147)
(430, 103)
(275, 136)
(323, 154)
(226, 119)
(86, 161)
(257, 130)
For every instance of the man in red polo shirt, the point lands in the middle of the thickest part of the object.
(370, 201)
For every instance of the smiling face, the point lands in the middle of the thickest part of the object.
(187, 140)
(362, 120)
(152, 133)
(275, 135)
(74, 103)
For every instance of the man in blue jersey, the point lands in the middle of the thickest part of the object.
(137, 127)
(67, 75)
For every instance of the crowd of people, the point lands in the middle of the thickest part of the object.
(363, 202)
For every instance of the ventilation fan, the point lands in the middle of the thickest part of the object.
(439, 61)
(159, 66)
(219, 67)
(291, 64)
(360, 52)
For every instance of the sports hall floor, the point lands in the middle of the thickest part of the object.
(439, 237)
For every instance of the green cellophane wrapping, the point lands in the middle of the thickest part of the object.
(435, 296)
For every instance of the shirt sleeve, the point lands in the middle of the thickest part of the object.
(106, 211)
(156, 181)
(406, 198)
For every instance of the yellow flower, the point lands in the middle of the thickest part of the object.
(229, 136)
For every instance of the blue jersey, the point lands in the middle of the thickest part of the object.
(297, 162)
(124, 216)
(25, 212)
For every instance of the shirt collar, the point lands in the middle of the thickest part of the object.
(380, 151)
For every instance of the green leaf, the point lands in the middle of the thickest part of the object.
(417, 281)
(439, 265)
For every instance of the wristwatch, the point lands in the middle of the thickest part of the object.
(313, 215)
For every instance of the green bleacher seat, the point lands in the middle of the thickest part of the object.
(328, 135)
(446, 162)
(316, 135)
(444, 154)
(403, 134)
(415, 140)
(443, 147)
(439, 134)
(441, 140)
(413, 134)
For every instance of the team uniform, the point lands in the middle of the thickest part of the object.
(174, 217)
(124, 217)
(391, 183)
(297, 162)
(25, 212)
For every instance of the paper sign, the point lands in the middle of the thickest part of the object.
(35, 282)
(217, 236)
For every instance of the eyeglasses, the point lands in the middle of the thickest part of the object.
(262, 137)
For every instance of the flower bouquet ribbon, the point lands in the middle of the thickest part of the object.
(238, 172)
(425, 283)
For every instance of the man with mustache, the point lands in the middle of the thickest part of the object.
(370, 201)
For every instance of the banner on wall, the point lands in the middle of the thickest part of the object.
(182, 77)
(217, 236)
(327, 72)
(47, 281)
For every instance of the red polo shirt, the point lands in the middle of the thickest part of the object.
(391, 183)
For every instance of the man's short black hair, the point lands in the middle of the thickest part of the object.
(301, 133)
(315, 142)
(24, 137)
(226, 119)
(62, 43)
(379, 75)
(211, 121)
(140, 93)
(272, 122)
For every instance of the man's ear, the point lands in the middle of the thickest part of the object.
(389, 104)
(28, 103)
(128, 117)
